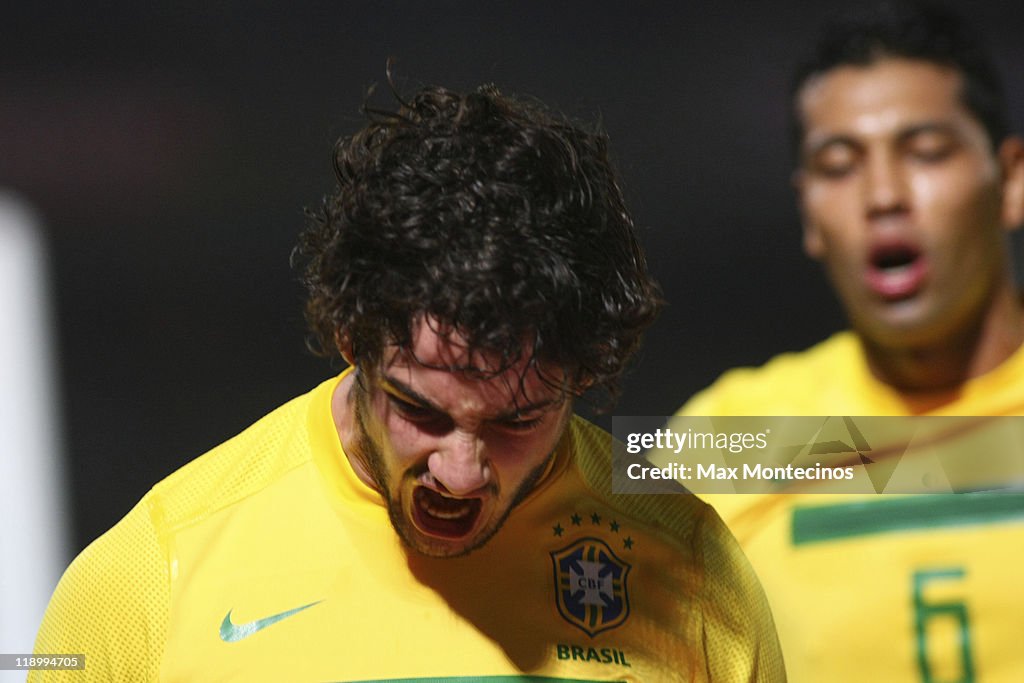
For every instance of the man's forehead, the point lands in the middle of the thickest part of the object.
(435, 344)
(519, 380)
(880, 97)
(441, 358)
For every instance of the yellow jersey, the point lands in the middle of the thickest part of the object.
(268, 559)
(915, 589)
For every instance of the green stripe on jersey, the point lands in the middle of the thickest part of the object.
(820, 523)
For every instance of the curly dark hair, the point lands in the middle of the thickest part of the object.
(914, 30)
(493, 217)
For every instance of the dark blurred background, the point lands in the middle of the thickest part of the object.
(170, 151)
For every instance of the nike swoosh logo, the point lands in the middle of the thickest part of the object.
(232, 633)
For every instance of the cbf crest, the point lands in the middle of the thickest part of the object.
(590, 585)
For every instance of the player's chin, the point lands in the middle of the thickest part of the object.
(433, 546)
(908, 323)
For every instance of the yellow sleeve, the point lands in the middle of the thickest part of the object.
(111, 605)
(738, 630)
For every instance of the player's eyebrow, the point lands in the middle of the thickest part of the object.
(394, 386)
(813, 147)
(406, 392)
(928, 127)
(535, 407)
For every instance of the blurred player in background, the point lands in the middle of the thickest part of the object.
(33, 519)
(435, 512)
(909, 183)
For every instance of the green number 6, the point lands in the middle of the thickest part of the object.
(925, 611)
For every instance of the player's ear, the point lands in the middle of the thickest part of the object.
(344, 344)
(1011, 161)
(813, 245)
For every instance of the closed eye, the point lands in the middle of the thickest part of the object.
(932, 154)
(834, 160)
(930, 143)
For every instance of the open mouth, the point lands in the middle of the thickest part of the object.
(896, 270)
(895, 259)
(438, 514)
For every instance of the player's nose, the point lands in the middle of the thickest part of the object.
(885, 186)
(459, 463)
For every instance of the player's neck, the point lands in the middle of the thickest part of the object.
(941, 367)
(343, 410)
